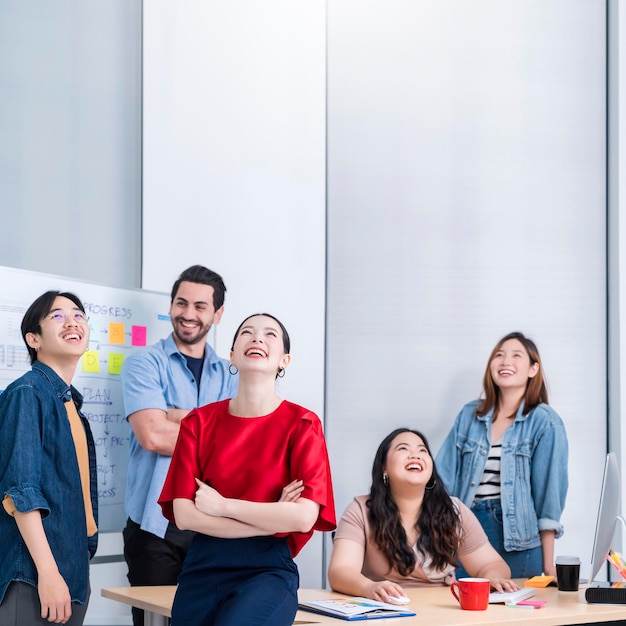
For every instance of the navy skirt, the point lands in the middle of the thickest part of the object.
(231, 582)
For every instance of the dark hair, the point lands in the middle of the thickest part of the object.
(203, 276)
(438, 523)
(536, 389)
(37, 311)
(286, 340)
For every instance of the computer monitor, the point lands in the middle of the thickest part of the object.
(608, 514)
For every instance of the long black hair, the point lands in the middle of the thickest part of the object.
(438, 523)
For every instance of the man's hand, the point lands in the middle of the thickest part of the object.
(54, 595)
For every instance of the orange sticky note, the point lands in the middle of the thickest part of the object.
(116, 333)
(539, 581)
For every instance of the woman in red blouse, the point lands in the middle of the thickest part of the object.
(231, 462)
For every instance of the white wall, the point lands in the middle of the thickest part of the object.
(70, 138)
(234, 170)
(466, 199)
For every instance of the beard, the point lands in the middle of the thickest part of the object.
(190, 336)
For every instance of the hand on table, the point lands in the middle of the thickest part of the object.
(503, 584)
(381, 590)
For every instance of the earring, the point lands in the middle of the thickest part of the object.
(281, 372)
(386, 480)
(231, 367)
(432, 486)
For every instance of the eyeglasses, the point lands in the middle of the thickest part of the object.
(60, 317)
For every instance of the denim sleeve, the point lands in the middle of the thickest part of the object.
(447, 459)
(549, 481)
(21, 453)
(142, 387)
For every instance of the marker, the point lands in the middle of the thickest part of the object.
(521, 606)
(617, 562)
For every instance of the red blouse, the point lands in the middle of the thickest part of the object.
(252, 458)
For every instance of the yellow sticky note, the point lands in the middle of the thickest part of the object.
(116, 333)
(115, 362)
(90, 362)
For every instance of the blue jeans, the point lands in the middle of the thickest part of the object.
(523, 563)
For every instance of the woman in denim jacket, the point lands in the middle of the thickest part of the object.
(506, 458)
(48, 484)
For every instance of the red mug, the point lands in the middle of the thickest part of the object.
(472, 594)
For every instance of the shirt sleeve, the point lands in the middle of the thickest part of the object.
(549, 487)
(21, 460)
(142, 387)
(309, 463)
(184, 467)
(352, 524)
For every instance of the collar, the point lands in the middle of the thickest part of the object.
(63, 391)
(171, 349)
(519, 416)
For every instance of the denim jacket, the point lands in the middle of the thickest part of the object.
(39, 470)
(533, 477)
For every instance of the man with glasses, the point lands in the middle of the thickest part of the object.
(160, 385)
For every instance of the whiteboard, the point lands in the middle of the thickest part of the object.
(120, 321)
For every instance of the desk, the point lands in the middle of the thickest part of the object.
(157, 604)
(434, 607)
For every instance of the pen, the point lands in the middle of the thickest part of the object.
(617, 562)
(619, 558)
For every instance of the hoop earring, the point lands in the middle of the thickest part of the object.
(230, 369)
(281, 372)
(386, 480)
(432, 486)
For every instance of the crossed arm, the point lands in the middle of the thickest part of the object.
(157, 430)
(212, 514)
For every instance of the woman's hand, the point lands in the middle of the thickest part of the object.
(208, 500)
(292, 491)
(503, 584)
(382, 589)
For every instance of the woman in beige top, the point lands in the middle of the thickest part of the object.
(408, 531)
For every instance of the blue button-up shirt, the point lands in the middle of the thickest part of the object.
(533, 473)
(157, 377)
(39, 470)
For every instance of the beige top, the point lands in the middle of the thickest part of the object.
(354, 525)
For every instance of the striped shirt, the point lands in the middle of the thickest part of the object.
(489, 487)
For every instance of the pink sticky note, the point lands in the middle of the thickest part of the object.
(536, 603)
(139, 335)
